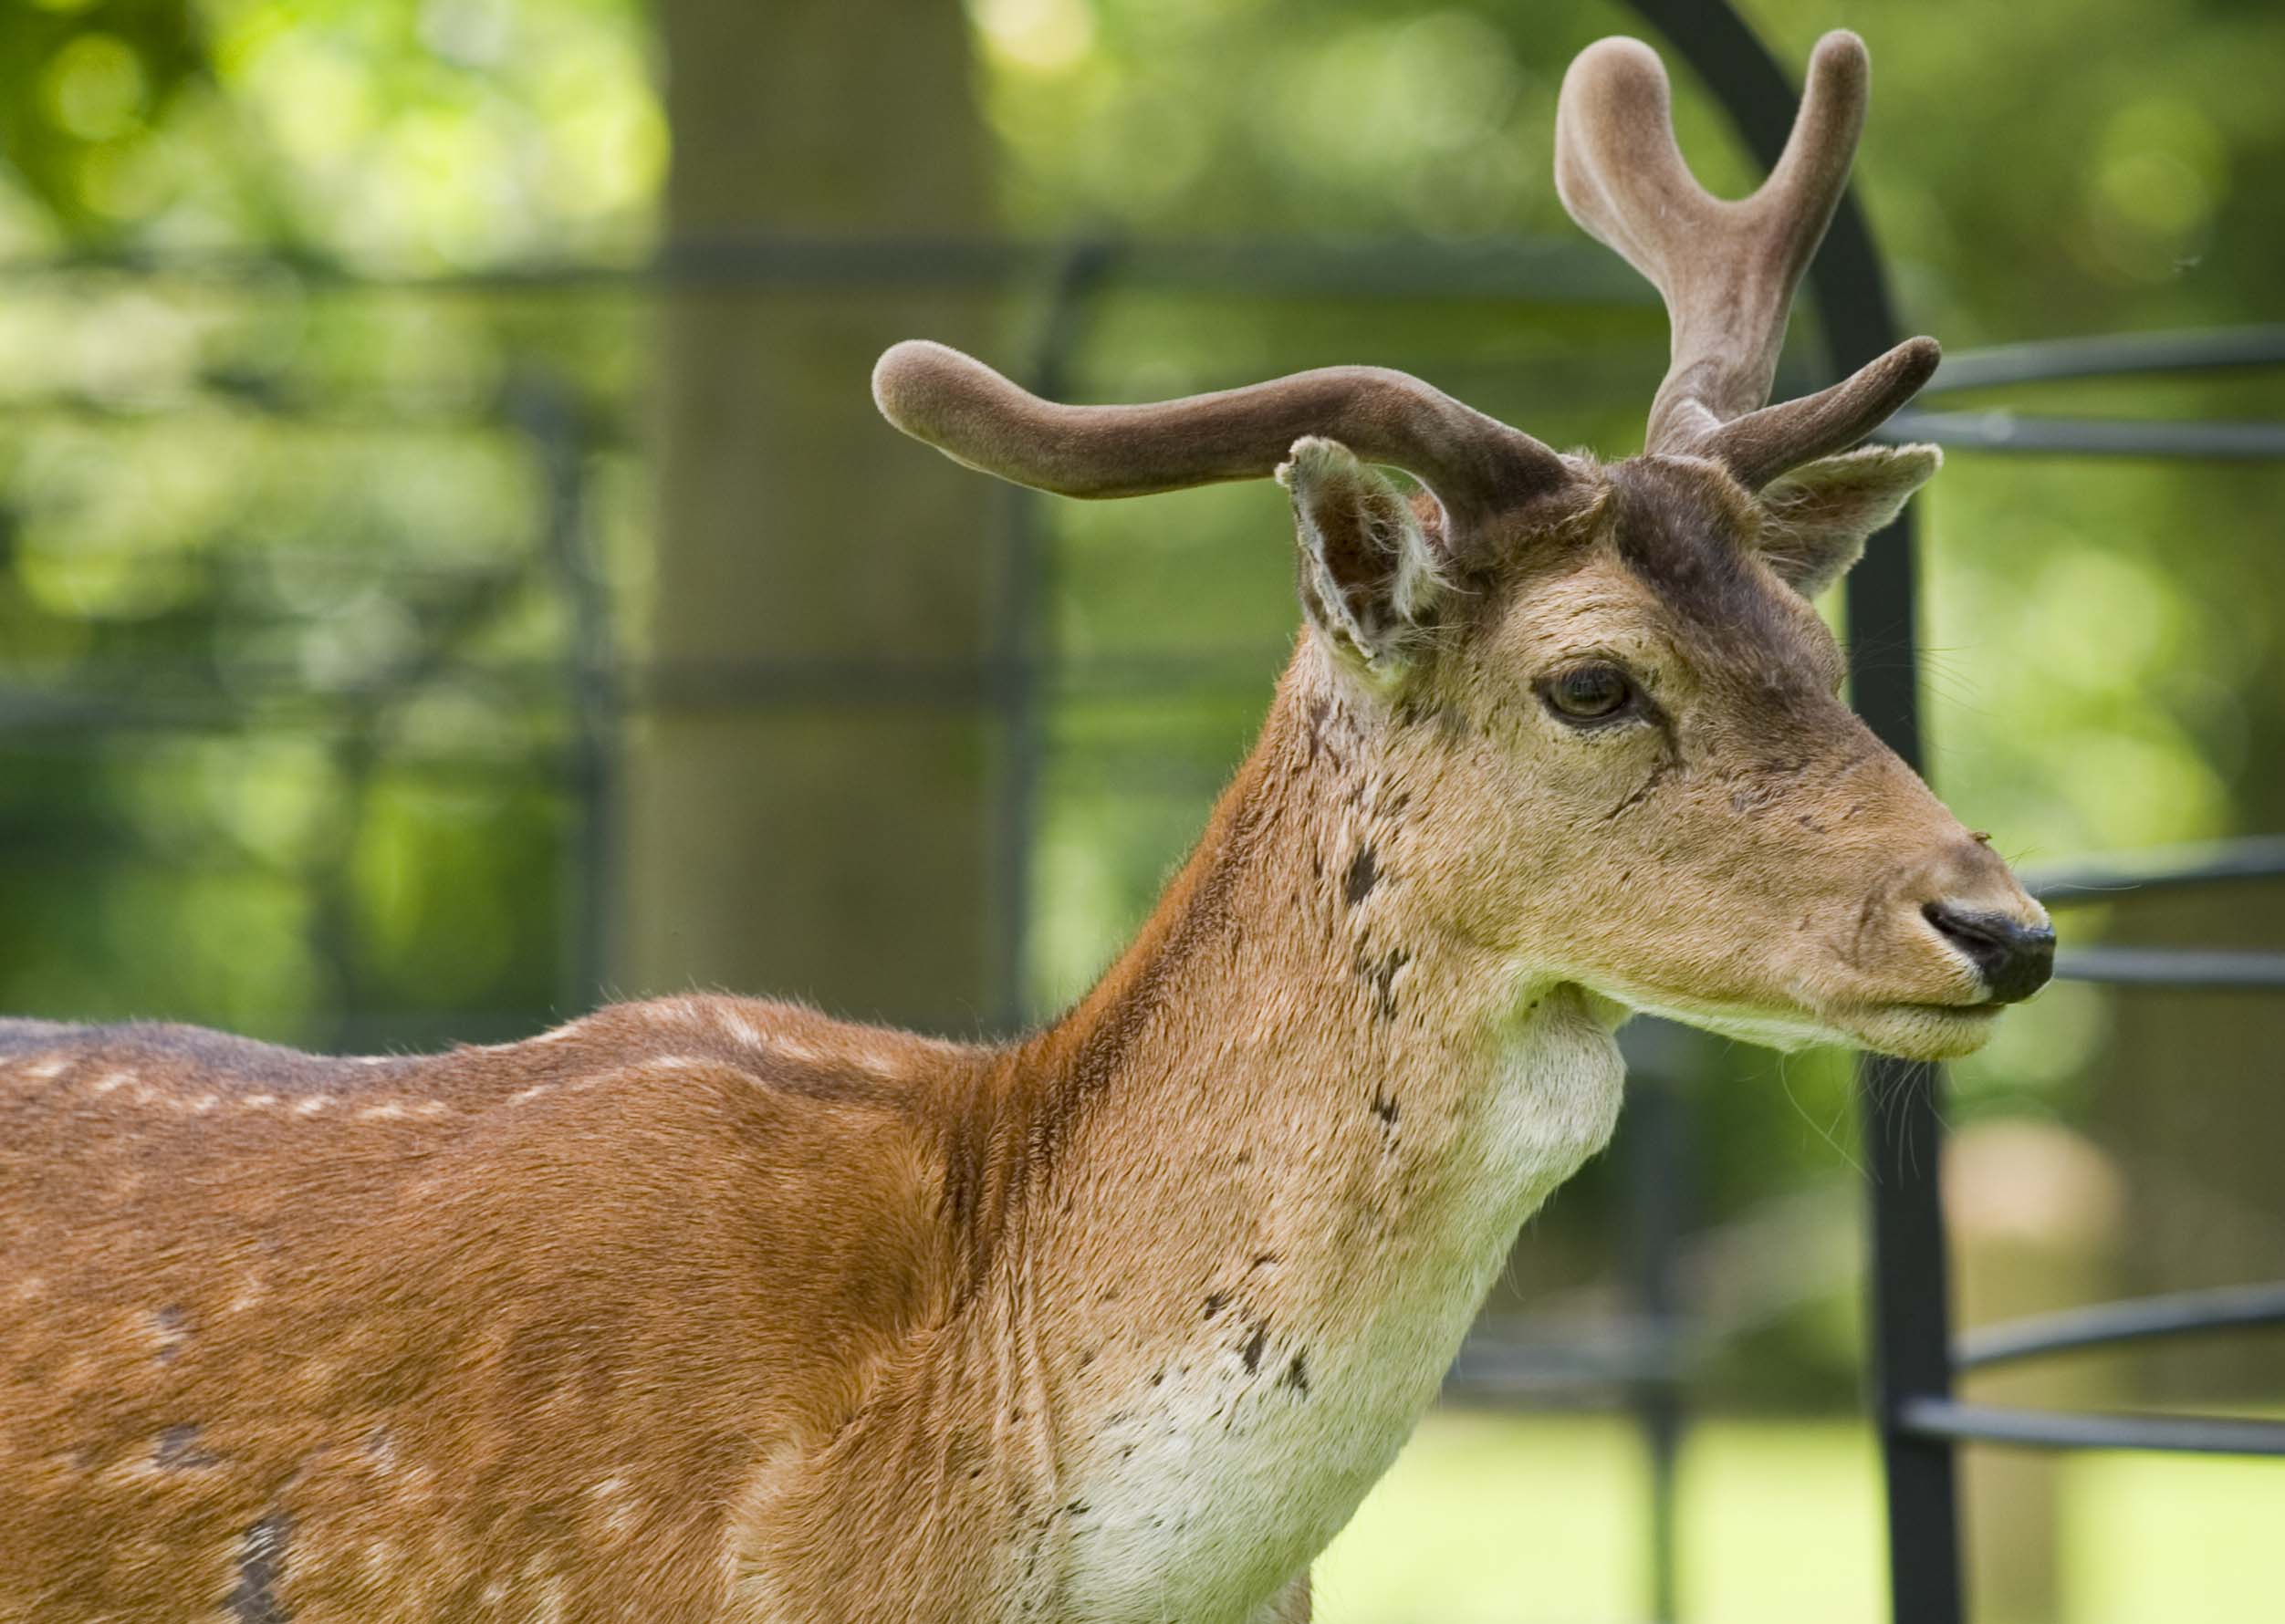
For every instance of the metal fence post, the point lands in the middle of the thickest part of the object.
(544, 407)
(1658, 1202)
(1023, 649)
(1910, 1295)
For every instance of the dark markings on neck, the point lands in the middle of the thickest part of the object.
(1380, 975)
(1320, 714)
(1296, 1374)
(1364, 873)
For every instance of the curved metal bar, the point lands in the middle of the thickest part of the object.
(1848, 288)
(2177, 1313)
(2063, 1429)
(2117, 355)
(2173, 868)
(2211, 970)
(2087, 436)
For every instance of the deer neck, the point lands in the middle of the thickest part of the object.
(1281, 1152)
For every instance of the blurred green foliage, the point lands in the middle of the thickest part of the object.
(287, 649)
(396, 134)
(282, 698)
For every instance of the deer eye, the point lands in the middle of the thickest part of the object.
(1587, 695)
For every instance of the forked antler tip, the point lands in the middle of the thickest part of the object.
(1726, 270)
(1615, 84)
(1834, 93)
(1614, 147)
(1615, 59)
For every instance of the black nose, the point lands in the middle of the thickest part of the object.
(2016, 958)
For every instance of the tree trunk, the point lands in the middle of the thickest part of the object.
(821, 832)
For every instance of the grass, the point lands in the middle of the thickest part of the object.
(1540, 1520)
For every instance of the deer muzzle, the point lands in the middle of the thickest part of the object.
(1938, 952)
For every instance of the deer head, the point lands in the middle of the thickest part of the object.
(1605, 682)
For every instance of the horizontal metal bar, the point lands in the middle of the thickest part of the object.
(2178, 1313)
(2111, 355)
(2065, 1429)
(2173, 868)
(192, 698)
(2196, 968)
(1621, 1353)
(2087, 436)
(1552, 271)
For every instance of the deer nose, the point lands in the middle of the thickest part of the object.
(2014, 959)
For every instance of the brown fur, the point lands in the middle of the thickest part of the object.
(371, 1289)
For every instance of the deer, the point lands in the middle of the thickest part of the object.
(707, 1308)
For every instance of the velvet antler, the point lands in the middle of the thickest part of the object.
(1476, 466)
(1726, 270)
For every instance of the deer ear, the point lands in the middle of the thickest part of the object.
(1815, 519)
(1371, 570)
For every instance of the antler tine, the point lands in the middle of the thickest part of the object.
(1726, 270)
(1475, 464)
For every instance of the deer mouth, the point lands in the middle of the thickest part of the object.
(1917, 1031)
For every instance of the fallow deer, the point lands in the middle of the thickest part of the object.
(715, 1310)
